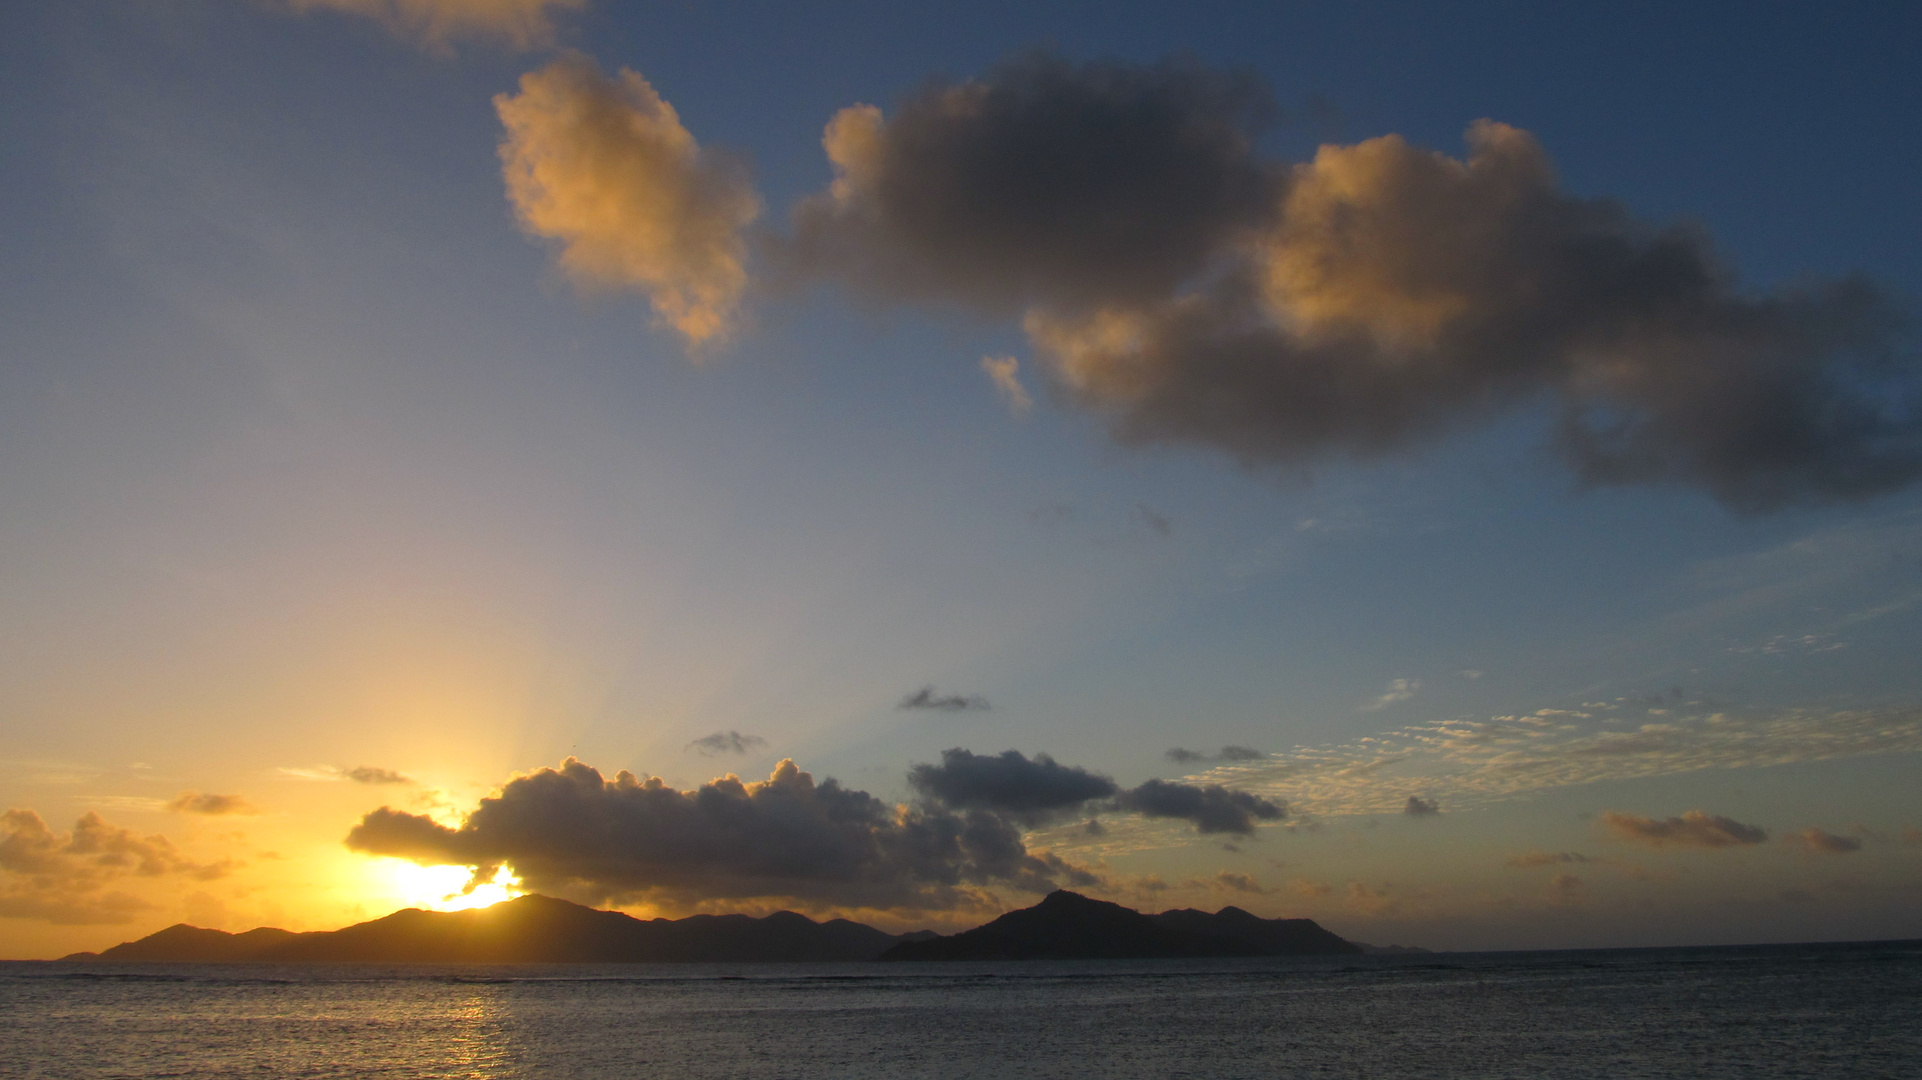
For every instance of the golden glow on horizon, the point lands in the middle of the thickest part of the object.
(439, 888)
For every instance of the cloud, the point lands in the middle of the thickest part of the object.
(523, 24)
(1362, 303)
(1398, 691)
(1210, 808)
(1693, 829)
(604, 167)
(1040, 790)
(1003, 372)
(193, 802)
(371, 774)
(1183, 756)
(67, 878)
(571, 832)
(1043, 182)
(1233, 882)
(1031, 790)
(1416, 806)
(725, 742)
(1825, 843)
(1566, 890)
(928, 698)
(1161, 524)
(1466, 764)
(1544, 858)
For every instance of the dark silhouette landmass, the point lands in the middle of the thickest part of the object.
(543, 930)
(529, 929)
(1069, 926)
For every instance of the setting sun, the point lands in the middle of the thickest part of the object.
(444, 888)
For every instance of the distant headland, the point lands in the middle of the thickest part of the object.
(542, 929)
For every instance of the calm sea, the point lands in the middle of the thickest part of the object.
(1827, 1011)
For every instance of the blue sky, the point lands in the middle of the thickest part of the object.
(313, 458)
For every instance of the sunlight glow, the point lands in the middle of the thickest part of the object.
(439, 888)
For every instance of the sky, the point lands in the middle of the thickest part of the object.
(1452, 472)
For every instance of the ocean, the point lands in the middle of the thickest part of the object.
(1820, 1011)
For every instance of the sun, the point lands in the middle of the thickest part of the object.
(439, 888)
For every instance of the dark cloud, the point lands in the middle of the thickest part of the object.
(1693, 829)
(1184, 756)
(1375, 298)
(369, 774)
(1826, 843)
(1416, 806)
(725, 742)
(68, 878)
(1042, 182)
(928, 698)
(1211, 809)
(193, 802)
(1032, 791)
(571, 832)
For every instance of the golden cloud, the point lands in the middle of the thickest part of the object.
(604, 166)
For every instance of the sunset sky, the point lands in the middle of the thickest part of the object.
(1450, 471)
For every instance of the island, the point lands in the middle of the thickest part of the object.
(546, 930)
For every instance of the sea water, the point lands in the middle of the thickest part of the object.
(1827, 1011)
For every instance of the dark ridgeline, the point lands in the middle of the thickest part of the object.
(1069, 926)
(530, 929)
(543, 930)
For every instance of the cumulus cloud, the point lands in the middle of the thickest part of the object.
(1209, 808)
(1040, 790)
(725, 742)
(570, 831)
(68, 878)
(522, 24)
(1823, 842)
(1043, 182)
(604, 167)
(1376, 297)
(1416, 806)
(1004, 373)
(372, 774)
(1695, 828)
(193, 802)
(929, 698)
(1031, 790)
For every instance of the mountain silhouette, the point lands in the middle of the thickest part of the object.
(1069, 926)
(529, 929)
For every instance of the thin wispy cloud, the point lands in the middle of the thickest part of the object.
(194, 802)
(725, 742)
(520, 24)
(1694, 829)
(933, 700)
(1466, 764)
(1004, 373)
(1398, 691)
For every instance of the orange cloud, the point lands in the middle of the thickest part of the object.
(1693, 829)
(604, 166)
(193, 802)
